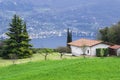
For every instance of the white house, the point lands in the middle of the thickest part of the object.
(90, 46)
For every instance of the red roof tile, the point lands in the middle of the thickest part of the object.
(115, 47)
(86, 42)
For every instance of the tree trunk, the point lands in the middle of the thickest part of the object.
(46, 56)
(61, 55)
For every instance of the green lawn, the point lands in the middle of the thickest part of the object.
(66, 69)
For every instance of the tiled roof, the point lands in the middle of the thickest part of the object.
(115, 47)
(86, 42)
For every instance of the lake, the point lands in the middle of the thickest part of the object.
(52, 42)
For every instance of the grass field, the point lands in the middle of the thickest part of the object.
(66, 69)
(36, 57)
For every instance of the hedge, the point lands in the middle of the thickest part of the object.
(102, 52)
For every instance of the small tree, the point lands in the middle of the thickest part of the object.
(84, 48)
(63, 50)
(45, 52)
(13, 58)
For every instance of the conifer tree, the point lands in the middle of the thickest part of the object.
(18, 41)
(69, 36)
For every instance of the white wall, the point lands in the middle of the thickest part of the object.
(77, 51)
(93, 49)
(118, 52)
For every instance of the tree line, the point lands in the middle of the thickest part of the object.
(110, 34)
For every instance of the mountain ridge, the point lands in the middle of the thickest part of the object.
(47, 18)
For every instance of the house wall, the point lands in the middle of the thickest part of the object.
(118, 52)
(77, 51)
(93, 49)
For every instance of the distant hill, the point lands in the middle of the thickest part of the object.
(47, 18)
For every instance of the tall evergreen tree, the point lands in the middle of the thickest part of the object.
(69, 37)
(18, 41)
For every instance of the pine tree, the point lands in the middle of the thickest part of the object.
(18, 41)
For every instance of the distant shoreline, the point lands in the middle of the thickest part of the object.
(53, 42)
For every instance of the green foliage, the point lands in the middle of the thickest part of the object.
(80, 69)
(45, 50)
(1, 51)
(102, 52)
(34, 50)
(98, 52)
(42, 50)
(106, 52)
(1, 47)
(69, 37)
(13, 57)
(63, 50)
(111, 34)
(18, 41)
(104, 34)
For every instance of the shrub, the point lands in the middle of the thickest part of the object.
(45, 50)
(63, 50)
(106, 52)
(100, 52)
(34, 50)
(13, 57)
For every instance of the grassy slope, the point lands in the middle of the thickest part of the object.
(75, 69)
(36, 57)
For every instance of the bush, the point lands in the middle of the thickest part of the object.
(34, 50)
(102, 52)
(63, 50)
(98, 52)
(42, 50)
(106, 52)
(45, 50)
